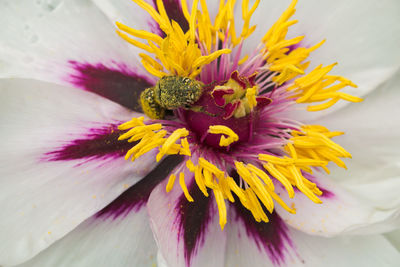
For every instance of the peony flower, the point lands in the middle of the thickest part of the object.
(236, 161)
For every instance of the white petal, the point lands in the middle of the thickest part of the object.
(98, 242)
(341, 212)
(44, 197)
(187, 234)
(362, 36)
(302, 249)
(161, 262)
(257, 244)
(371, 135)
(372, 132)
(41, 40)
(347, 251)
(394, 238)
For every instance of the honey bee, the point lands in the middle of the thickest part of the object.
(170, 92)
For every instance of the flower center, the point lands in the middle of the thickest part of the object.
(229, 109)
(233, 103)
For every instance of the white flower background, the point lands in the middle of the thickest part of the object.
(47, 208)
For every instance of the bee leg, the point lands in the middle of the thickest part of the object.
(149, 105)
(200, 109)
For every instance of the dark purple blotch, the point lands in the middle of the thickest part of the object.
(272, 237)
(174, 12)
(193, 219)
(325, 192)
(137, 195)
(97, 143)
(120, 84)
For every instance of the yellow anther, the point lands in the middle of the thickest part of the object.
(138, 129)
(281, 202)
(164, 25)
(185, 149)
(224, 130)
(185, 10)
(189, 164)
(171, 182)
(255, 207)
(208, 178)
(236, 189)
(135, 42)
(151, 145)
(219, 198)
(313, 87)
(139, 33)
(300, 185)
(211, 167)
(200, 180)
(177, 134)
(267, 180)
(184, 188)
(132, 123)
(255, 184)
(192, 20)
(251, 96)
(224, 186)
(280, 177)
(136, 148)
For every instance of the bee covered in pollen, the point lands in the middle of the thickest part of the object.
(170, 92)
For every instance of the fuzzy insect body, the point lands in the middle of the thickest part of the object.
(170, 92)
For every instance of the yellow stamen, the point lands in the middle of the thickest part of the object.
(251, 96)
(171, 182)
(184, 188)
(199, 178)
(210, 167)
(219, 198)
(177, 134)
(185, 150)
(140, 33)
(224, 130)
(262, 175)
(132, 123)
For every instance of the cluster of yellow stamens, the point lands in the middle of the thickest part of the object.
(310, 147)
(313, 87)
(210, 33)
(152, 136)
(289, 64)
(179, 54)
(314, 142)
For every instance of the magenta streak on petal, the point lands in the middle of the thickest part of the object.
(272, 237)
(325, 192)
(193, 218)
(97, 143)
(175, 13)
(119, 84)
(134, 198)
